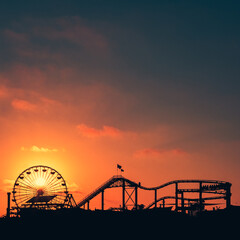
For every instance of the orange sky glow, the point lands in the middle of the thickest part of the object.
(35, 132)
(149, 88)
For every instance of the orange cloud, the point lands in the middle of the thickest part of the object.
(157, 153)
(73, 187)
(39, 149)
(48, 102)
(7, 185)
(23, 105)
(26, 100)
(106, 131)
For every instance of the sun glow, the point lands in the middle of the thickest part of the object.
(40, 182)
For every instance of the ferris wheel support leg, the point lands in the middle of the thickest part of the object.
(8, 204)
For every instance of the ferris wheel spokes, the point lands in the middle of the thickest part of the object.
(39, 185)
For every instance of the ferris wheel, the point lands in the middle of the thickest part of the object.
(39, 186)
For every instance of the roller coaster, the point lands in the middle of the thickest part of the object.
(43, 188)
(217, 190)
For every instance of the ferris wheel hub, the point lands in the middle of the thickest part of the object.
(40, 192)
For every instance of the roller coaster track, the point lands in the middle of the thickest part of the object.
(108, 184)
(173, 197)
(119, 181)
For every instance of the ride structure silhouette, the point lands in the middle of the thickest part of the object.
(43, 188)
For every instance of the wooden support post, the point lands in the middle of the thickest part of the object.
(102, 199)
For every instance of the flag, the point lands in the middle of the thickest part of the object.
(119, 166)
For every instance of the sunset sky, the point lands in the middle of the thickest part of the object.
(151, 85)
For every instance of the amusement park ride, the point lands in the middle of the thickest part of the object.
(42, 187)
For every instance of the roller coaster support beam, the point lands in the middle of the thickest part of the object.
(163, 203)
(127, 195)
(200, 196)
(182, 203)
(123, 195)
(176, 196)
(136, 197)
(155, 197)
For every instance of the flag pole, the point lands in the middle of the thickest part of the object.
(120, 168)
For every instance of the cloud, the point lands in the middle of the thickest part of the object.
(40, 149)
(47, 102)
(70, 30)
(24, 99)
(159, 153)
(36, 103)
(105, 131)
(73, 30)
(8, 185)
(73, 187)
(23, 105)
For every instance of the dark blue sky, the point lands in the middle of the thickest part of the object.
(178, 56)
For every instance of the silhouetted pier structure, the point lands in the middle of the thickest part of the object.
(37, 207)
(189, 196)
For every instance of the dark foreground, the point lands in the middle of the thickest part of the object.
(79, 223)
